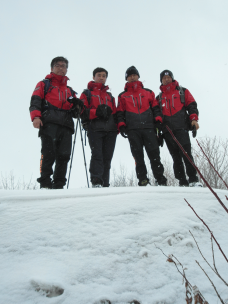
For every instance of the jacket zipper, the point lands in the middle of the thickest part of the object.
(60, 98)
(133, 100)
(138, 110)
(140, 101)
(173, 101)
(137, 104)
(170, 114)
(99, 98)
(66, 98)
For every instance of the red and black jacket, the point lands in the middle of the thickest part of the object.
(137, 107)
(53, 106)
(99, 95)
(177, 115)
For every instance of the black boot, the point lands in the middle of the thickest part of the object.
(57, 185)
(96, 182)
(183, 183)
(144, 182)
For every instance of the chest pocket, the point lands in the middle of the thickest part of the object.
(130, 99)
(95, 101)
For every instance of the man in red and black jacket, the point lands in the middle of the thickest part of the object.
(138, 114)
(99, 116)
(180, 117)
(52, 107)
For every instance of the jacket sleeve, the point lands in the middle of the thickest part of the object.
(114, 113)
(87, 113)
(120, 112)
(191, 106)
(36, 101)
(155, 107)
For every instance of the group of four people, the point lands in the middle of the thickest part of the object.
(139, 116)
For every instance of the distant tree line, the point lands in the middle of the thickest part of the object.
(10, 182)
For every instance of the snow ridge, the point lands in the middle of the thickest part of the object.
(85, 245)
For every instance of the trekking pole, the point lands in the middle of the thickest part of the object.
(72, 153)
(197, 169)
(83, 151)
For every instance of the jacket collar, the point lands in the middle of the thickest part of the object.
(169, 87)
(133, 86)
(93, 86)
(57, 79)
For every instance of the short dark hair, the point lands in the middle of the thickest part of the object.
(98, 70)
(57, 59)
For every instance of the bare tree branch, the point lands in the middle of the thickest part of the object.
(214, 269)
(9, 182)
(211, 283)
(211, 163)
(197, 169)
(217, 152)
(208, 230)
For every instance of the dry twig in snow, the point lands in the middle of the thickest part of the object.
(214, 269)
(208, 230)
(211, 283)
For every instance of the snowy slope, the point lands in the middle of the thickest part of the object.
(99, 243)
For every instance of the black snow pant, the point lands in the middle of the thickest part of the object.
(138, 139)
(102, 146)
(56, 141)
(178, 156)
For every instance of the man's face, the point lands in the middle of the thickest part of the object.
(60, 68)
(166, 79)
(132, 78)
(100, 77)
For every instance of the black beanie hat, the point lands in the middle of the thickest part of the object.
(166, 72)
(130, 71)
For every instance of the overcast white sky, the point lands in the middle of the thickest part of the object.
(189, 37)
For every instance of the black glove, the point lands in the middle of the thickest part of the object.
(158, 125)
(103, 111)
(158, 132)
(85, 126)
(123, 131)
(109, 111)
(194, 132)
(77, 104)
(160, 139)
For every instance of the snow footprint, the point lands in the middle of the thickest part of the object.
(109, 302)
(103, 302)
(47, 290)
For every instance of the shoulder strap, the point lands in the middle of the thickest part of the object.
(147, 89)
(122, 93)
(88, 94)
(182, 97)
(47, 85)
(110, 94)
(72, 91)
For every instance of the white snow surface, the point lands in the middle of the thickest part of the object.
(100, 244)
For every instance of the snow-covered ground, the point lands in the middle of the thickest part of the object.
(100, 244)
